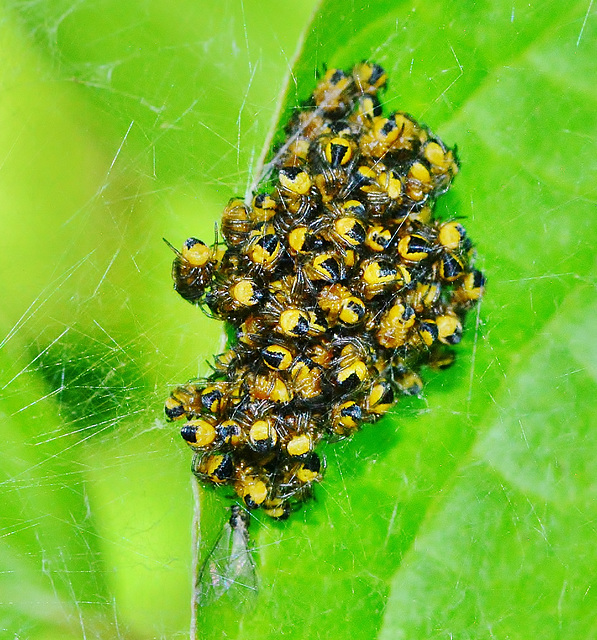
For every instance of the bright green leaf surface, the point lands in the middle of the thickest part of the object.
(467, 514)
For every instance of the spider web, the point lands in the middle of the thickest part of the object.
(125, 135)
(127, 122)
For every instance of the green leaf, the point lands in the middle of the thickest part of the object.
(465, 514)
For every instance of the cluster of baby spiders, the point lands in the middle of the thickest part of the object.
(339, 285)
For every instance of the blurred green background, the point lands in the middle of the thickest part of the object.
(468, 513)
